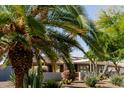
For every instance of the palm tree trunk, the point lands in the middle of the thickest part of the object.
(70, 67)
(19, 79)
(21, 60)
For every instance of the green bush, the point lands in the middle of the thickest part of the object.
(12, 77)
(52, 84)
(116, 80)
(66, 81)
(91, 81)
(33, 79)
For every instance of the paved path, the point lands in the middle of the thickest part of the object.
(77, 84)
(6, 84)
(101, 84)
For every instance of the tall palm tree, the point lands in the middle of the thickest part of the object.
(24, 32)
(98, 44)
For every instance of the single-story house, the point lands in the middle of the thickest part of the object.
(81, 65)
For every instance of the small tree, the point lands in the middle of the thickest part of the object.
(111, 23)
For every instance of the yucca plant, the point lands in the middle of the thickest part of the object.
(91, 81)
(116, 80)
(33, 79)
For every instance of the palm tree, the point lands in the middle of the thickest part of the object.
(98, 44)
(25, 33)
(63, 45)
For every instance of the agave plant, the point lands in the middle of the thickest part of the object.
(27, 31)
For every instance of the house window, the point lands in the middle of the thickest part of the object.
(84, 68)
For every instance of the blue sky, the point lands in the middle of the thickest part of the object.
(92, 12)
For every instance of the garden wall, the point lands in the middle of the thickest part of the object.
(4, 73)
(52, 75)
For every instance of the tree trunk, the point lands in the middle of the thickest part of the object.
(70, 67)
(95, 70)
(105, 69)
(19, 80)
(71, 70)
(104, 72)
(21, 60)
(117, 68)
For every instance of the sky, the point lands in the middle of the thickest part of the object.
(93, 14)
(93, 10)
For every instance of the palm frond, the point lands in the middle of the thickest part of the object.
(50, 53)
(4, 18)
(19, 10)
(5, 61)
(79, 13)
(37, 28)
(68, 18)
(67, 26)
(8, 11)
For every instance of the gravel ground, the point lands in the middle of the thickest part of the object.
(76, 84)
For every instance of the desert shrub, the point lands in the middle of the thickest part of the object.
(116, 80)
(12, 77)
(91, 81)
(33, 79)
(66, 81)
(52, 84)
